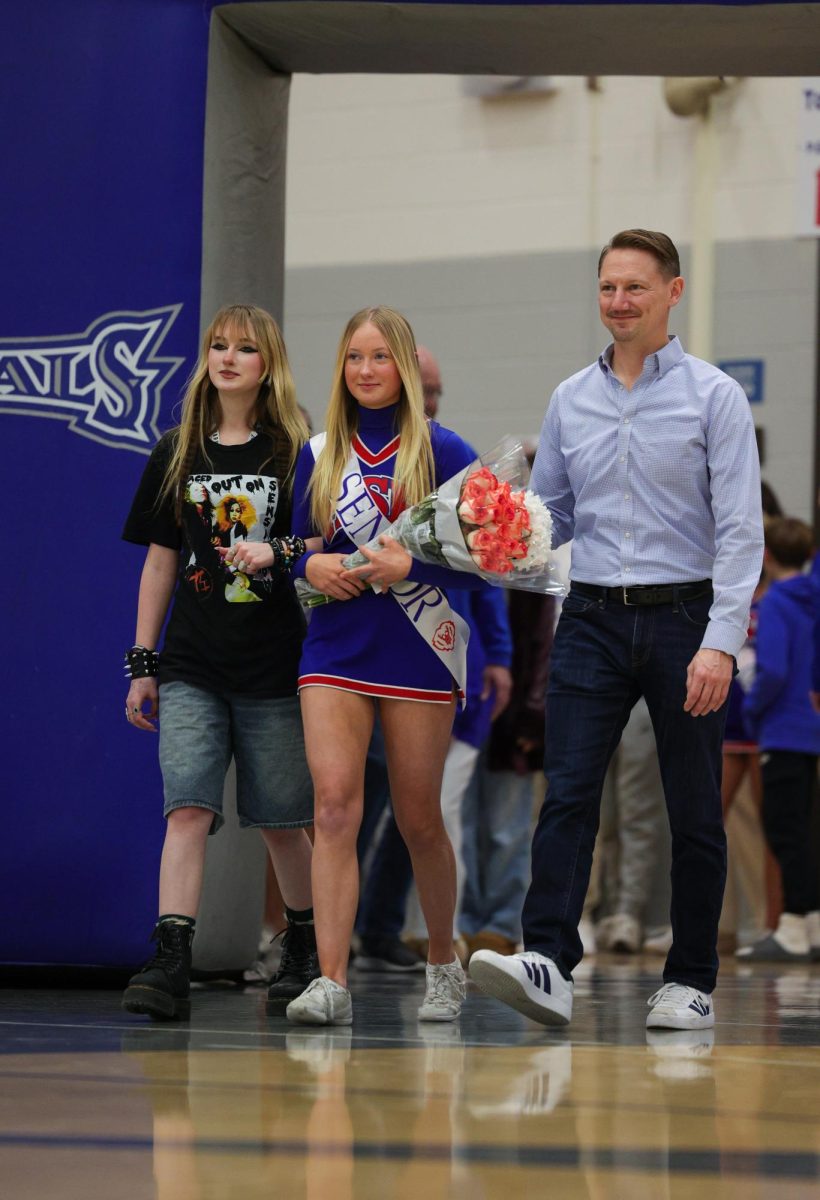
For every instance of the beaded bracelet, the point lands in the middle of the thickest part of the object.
(286, 551)
(141, 663)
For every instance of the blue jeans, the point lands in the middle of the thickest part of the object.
(605, 656)
(199, 733)
(497, 824)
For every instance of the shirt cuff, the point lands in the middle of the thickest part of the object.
(720, 635)
(298, 569)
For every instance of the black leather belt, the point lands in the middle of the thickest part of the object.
(645, 593)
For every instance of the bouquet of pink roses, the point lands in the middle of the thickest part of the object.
(482, 520)
(496, 522)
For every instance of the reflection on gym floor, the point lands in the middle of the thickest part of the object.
(238, 1103)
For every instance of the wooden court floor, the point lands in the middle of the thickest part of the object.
(236, 1104)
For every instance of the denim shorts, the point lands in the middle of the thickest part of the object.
(200, 732)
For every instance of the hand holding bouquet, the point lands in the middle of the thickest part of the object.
(483, 521)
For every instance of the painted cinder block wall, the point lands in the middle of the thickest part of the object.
(482, 220)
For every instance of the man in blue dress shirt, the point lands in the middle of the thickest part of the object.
(647, 459)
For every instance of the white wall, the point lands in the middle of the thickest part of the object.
(481, 221)
(402, 168)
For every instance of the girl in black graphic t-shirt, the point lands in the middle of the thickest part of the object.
(214, 509)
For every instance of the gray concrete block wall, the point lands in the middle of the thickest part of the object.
(766, 307)
(504, 329)
(507, 329)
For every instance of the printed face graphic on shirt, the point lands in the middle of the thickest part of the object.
(235, 517)
(219, 511)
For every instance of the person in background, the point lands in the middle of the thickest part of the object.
(815, 667)
(384, 911)
(783, 722)
(274, 919)
(741, 760)
(224, 685)
(638, 805)
(431, 385)
(647, 459)
(498, 805)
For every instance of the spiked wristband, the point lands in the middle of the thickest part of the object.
(140, 663)
(286, 551)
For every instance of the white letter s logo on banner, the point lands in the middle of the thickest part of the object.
(106, 382)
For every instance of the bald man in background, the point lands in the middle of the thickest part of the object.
(430, 381)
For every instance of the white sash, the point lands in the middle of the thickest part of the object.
(426, 607)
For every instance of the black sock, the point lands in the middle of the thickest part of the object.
(299, 916)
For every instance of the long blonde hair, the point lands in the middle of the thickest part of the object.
(275, 412)
(414, 476)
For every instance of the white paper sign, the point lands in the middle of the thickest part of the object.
(808, 160)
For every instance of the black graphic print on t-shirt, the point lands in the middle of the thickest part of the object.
(227, 630)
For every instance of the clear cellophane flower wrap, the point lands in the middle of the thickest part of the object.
(483, 520)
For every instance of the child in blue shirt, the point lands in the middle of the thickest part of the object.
(782, 720)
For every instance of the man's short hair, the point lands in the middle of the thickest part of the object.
(661, 247)
(789, 540)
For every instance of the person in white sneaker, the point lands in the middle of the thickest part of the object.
(323, 1002)
(676, 1006)
(378, 456)
(648, 460)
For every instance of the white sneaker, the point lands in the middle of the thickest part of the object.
(446, 989)
(528, 982)
(323, 1002)
(624, 934)
(676, 1006)
(268, 957)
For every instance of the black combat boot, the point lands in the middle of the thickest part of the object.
(161, 988)
(299, 964)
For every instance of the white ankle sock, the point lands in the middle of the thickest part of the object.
(813, 928)
(792, 934)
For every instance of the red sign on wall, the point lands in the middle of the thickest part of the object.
(808, 160)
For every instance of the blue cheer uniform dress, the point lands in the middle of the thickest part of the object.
(367, 644)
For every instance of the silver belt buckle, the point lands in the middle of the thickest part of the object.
(627, 603)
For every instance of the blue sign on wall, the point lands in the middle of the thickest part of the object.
(749, 374)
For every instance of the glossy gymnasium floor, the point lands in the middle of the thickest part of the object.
(236, 1104)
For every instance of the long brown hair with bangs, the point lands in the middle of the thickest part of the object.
(414, 463)
(275, 413)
